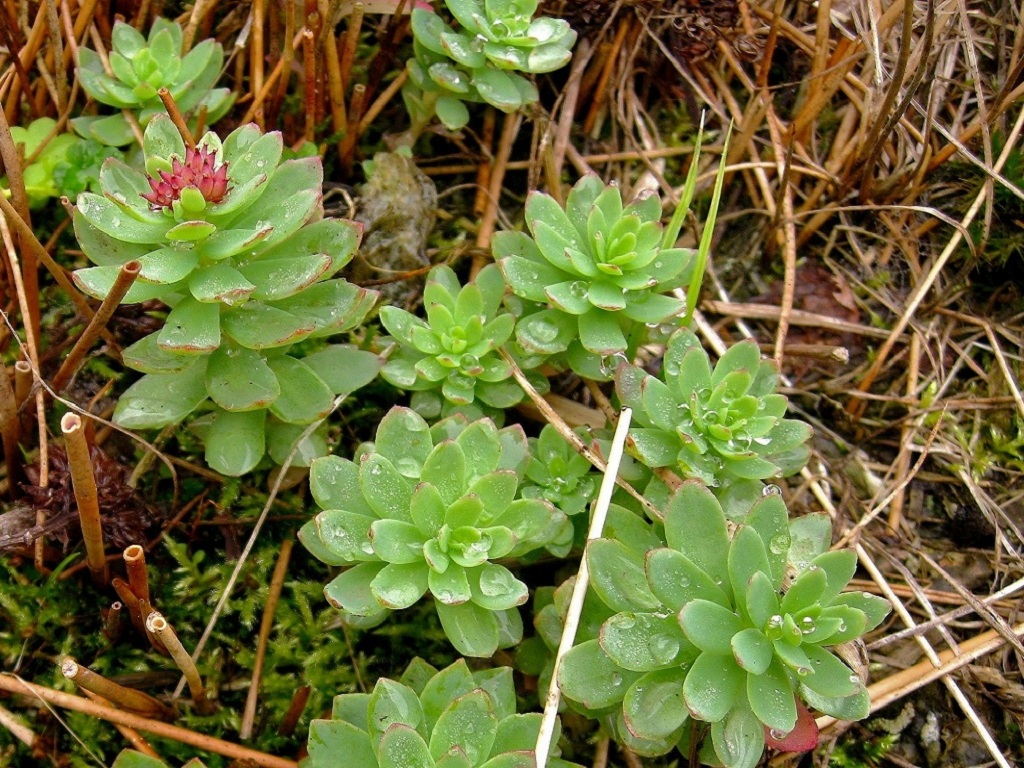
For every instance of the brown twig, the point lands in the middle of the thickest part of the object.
(158, 625)
(509, 131)
(123, 282)
(112, 621)
(309, 97)
(176, 117)
(295, 709)
(164, 730)
(348, 49)
(138, 578)
(10, 431)
(266, 625)
(131, 735)
(119, 696)
(84, 483)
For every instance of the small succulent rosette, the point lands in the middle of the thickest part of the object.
(455, 718)
(140, 67)
(234, 241)
(479, 60)
(451, 358)
(38, 174)
(598, 271)
(429, 509)
(721, 425)
(703, 628)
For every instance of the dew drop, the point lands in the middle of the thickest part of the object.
(616, 679)
(771, 490)
(663, 648)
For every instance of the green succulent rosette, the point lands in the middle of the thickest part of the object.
(140, 68)
(479, 60)
(39, 175)
(234, 241)
(598, 270)
(721, 425)
(429, 509)
(557, 473)
(703, 628)
(455, 718)
(451, 357)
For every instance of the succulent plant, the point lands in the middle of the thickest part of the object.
(598, 272)
(479, 61)
(455, 718)
(702, 630)
(719, 425)
(140, 67)
(38, 173)
(235, 242)
(430, 509)
(557, 473)
(452, 356)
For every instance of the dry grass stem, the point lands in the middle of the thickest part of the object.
(122, 283)
(132, 736)
(598, 514)
(124, 698)
(16, 685)
(16, 727)
(85, 496)
(157, 624)
(266, 625)
(138, 577)
(10, 431)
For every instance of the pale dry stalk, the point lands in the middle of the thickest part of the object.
(138, 577)
(158, 625)
(266, 625)
(118, 695)
(84, 483)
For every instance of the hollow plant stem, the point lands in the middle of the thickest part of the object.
(84, 484)
(138, 578)
(125, 280)
(176, 117)
(158, 625)
(124, 698)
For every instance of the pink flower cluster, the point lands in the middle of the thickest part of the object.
(197, 171)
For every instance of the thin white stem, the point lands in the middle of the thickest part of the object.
(579, 591)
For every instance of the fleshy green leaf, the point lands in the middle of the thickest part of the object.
(156, 400)
(653, 707)
(589, 677)
(235, 442)
(239, 379)
(330, 738)
(468, 722)
(713, 686)
(617, 576)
